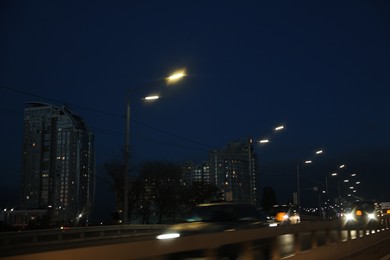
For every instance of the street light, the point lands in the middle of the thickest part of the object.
(333, 174)
(278, 128)
(149, 98)
(298, 181)
(173, 78)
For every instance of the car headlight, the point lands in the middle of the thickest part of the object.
(371, 216)
(285, 217)
(168, 236)
(349, 216)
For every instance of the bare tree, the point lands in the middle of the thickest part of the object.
(114, 170)
(162, 186)
(269, 198)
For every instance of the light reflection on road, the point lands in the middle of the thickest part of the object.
(286, 244)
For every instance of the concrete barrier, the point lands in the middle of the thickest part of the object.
(327, 240)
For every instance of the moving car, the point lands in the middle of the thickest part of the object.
(285, 214)
(218, 217)
(385, 208)
(363, 213)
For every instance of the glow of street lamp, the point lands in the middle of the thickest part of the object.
(319, 152)
(334, 174)
(148, 98)
(342, 166)
(176, 76)
(264, 141)
(353, 174)
(308, 161)
(278, 128)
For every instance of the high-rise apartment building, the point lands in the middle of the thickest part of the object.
(195, 172)
(58, 171)
(235, 171)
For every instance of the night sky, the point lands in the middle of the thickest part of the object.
(321, 68)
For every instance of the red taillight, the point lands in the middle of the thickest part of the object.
(280, 216)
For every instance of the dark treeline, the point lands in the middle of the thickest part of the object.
(157, 193)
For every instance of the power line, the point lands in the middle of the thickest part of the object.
(60, 102)
(173, 135)
(11, 112)
(110, 132)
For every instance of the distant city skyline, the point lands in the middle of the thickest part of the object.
(320, 68)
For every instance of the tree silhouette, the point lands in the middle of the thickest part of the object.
(269, 198)
(158, 193)
(162, 186)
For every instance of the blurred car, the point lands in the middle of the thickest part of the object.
(285, 214)
(363, 213)
(385, 208)
(218, 217)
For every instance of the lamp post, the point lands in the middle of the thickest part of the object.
(338, 182)
(298, 178)
(169, 80)
(276, 129)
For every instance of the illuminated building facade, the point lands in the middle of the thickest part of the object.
(58, 171)
(196, 172)
(235, 171)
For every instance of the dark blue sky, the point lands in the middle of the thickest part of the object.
(320, 67)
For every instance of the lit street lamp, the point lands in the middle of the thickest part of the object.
(252, 184)
(149, 98)
(169, 80)
(298, 199)
(338, 182)
(175, 76)
(278, 128)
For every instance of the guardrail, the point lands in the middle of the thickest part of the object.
(60, 236)
(310, 240)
